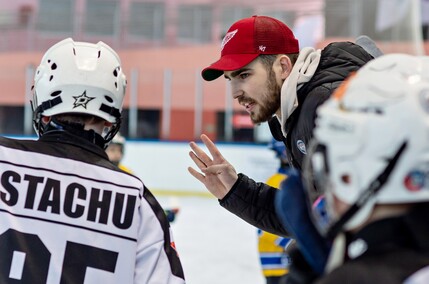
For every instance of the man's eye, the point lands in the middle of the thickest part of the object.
(244, 75)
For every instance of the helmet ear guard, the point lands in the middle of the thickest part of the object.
(112, 132)
(366, 196)
(79, 78)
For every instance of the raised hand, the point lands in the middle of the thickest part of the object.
(217, 174)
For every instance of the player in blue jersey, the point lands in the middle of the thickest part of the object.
(272, 248)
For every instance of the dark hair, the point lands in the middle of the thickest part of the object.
(268, 59)
(77, 119)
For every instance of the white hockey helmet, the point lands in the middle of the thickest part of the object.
(371, 141)
(79, 77)
(118, 139)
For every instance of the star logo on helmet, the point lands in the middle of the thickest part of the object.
(82, 100)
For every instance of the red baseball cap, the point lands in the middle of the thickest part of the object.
(246, 39)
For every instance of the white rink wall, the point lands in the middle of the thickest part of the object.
(163, 165)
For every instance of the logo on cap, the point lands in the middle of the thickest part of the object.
(227, 38)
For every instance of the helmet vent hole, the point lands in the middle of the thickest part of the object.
(74, 51)
(116, 85)
(50, 78)
(115, 72)
(346, 179)
(109, 99)
(32, 87)
(49, 60)
(54, 66)
(56, 93)
(99, 53)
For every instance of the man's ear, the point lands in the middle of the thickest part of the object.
(286, 65)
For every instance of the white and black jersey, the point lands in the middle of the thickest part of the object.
(67, 215)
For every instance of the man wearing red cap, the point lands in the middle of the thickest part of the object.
(276, 82)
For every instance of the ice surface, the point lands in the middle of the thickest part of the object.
(215, 246)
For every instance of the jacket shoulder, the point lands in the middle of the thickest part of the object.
(343, 56)
(346, 49)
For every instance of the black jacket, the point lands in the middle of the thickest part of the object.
(254, 202)
(396, 248)
(337, 61)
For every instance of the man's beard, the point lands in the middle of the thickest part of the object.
(271, 100)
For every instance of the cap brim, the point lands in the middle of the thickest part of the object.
(228, 62)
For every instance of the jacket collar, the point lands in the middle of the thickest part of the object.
(83, 142)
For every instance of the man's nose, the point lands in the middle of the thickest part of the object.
(236, 91)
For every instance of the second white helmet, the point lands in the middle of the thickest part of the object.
(376, 123)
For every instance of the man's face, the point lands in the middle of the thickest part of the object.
(256, 89)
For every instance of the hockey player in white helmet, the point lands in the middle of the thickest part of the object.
(116, 150)
(370, 157)
(67, 214)
(68, 84)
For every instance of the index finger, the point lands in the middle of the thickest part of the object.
(214, 151)
(200, 154)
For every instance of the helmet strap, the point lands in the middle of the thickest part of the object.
(112, 132)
